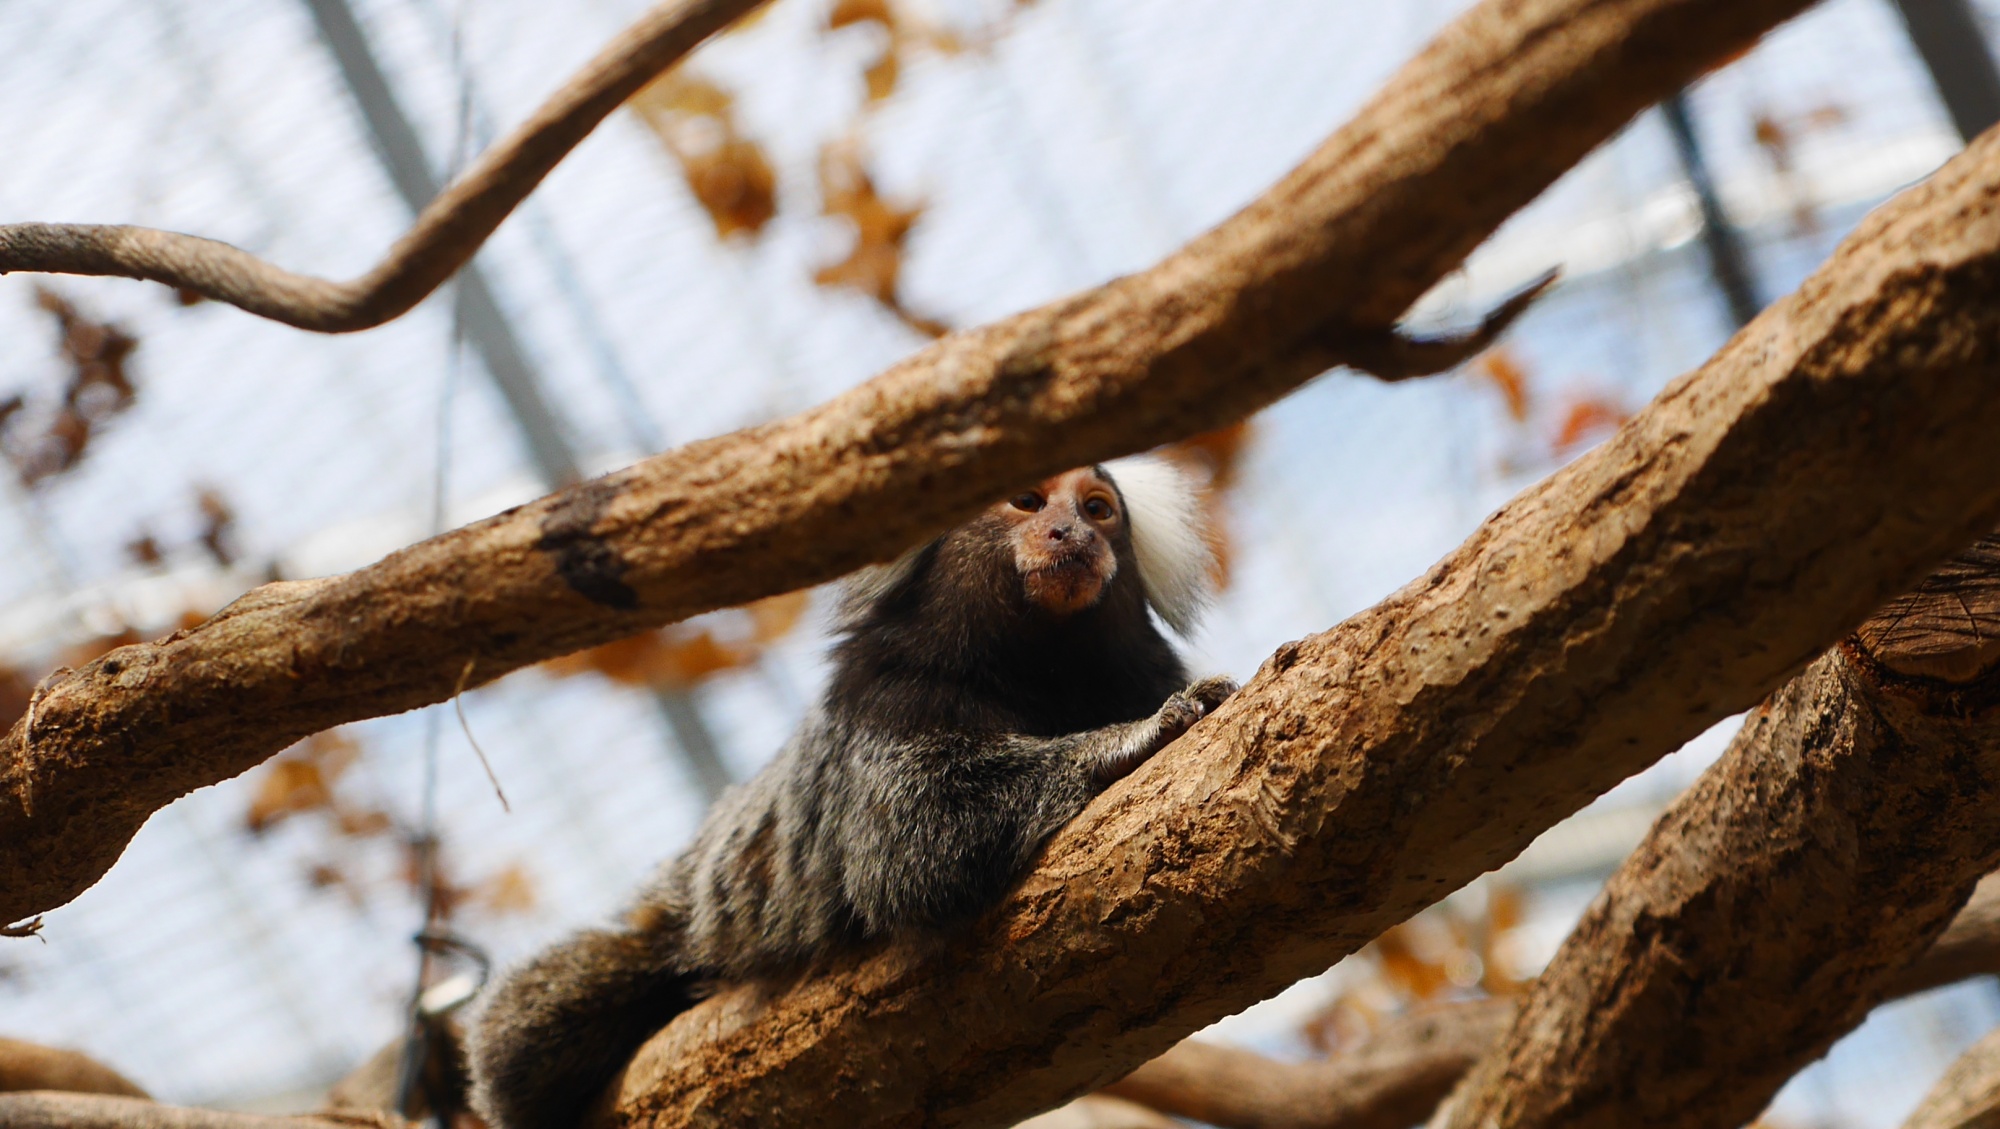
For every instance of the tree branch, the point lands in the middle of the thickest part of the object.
(1397, 1077)
(31, 1066)
(48, 1109)
(1969, 948)
(1968, 1096)
(1759, 509)
(1507, 98)
(1782, 897)
(443, 238)
(1391, 1081)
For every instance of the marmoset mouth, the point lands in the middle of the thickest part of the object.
(1066, 585)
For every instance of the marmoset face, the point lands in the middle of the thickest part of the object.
(1063, 533)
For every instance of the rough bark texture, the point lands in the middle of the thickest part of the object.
(31, 1066)
(1095, 1111)
(443, 238)
(50, 1110)
(1969, 948)
(1398, 1077)
(1507, 98)
(1392, 1081)
(1968, 1096)
(1778, 900)
(1824, 461)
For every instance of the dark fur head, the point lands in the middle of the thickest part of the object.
(1033, 615)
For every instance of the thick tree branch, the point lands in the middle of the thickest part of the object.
(1968, 1096)
(1094, 1111)
(1825, 460)
(31, 1066)
(1397, 1077)
(1969, 948)
(48, 1109)
(1391, 1081)
(1507, 98)
(1782, 897)
(445, 235)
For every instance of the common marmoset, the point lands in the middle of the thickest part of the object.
(984, 688)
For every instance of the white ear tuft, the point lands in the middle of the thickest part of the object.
(1170, 536)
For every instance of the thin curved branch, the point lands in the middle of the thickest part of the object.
(443, 238)
(1508, 98)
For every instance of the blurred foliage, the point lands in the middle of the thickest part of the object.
(1587, 418)
(1447, 952)
(1500, 366)
(1582, 417)
(682, 655)
(16, 688)
(313, 781)
(43, 440)
(695, 121)
(1778, 136)
(874, 264)
(302, 780)
(218, 526)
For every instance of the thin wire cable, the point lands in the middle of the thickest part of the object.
(411, 1073)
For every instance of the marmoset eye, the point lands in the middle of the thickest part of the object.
(1031, 502)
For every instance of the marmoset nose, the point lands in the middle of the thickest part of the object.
(1059, 533)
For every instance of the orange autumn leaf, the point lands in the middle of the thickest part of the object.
(628, 661)
(16, 688)
(301, 780)
(1506, 909)
(1507, 374)
(96, 647)
(881, 74)
(692, 658)
(97, 387)
(774, 617)
(683, 655)
(1420, 978)
(1585, 418)
(848, 12)
(695, 121)
(509, 890)
(874, 265)
(288, 787)
(362, 824)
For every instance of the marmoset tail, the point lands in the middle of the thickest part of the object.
(985, 686)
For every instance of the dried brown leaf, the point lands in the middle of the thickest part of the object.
(509, 890)
(218, 526)
(16, 688)
(695, 121)
(874, 264)
(774, 617)
(96, 387)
